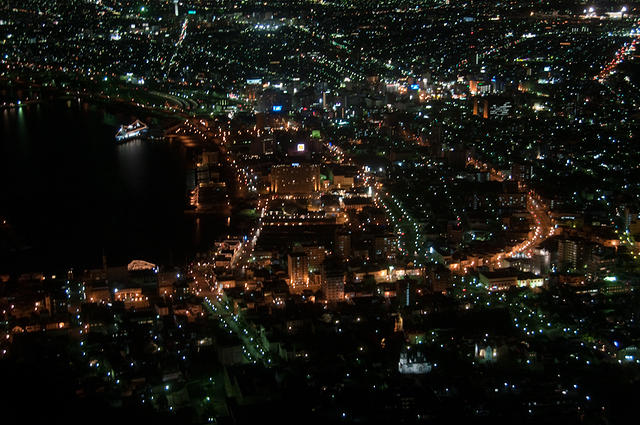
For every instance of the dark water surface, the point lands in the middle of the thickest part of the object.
(69, 192)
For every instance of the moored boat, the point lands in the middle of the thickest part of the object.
(135, 130)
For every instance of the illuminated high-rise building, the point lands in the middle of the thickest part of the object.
(298, 265)
(343, 244)
(333, 279)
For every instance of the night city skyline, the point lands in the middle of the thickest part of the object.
(320, 211)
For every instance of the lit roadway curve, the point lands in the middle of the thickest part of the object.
(543, 225)
(410, 233)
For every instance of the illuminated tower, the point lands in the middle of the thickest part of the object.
(175, 3)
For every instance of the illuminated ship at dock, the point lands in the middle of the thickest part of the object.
(135, 130)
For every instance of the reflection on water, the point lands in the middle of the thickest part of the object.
(133, 165)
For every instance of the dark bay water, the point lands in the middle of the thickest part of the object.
(70, 193)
